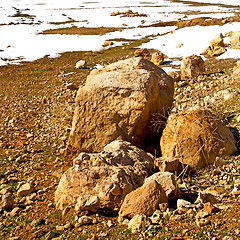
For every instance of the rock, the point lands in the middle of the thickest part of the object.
(142, 53)
(236, 70)
(217, 41)
(183, 206)
(6, 201)
(15, 211)
(138, 222)
(118, 102)
(192, 66)
(157, 58)
(108, 43)
(204, 197)
(85, 220)
(143, 200)
(236, 191)
(81, 64)
(87, 203)
(168, 164)
(168, 182)
(208, 207)
(228, 238)
(213, 51)
(109, 175)
(156, 217)
(25, 189)
(175, 75)
(71, 86)
(235, 40)
(49, 235)
(202, 222)
(201, 214)
(196, 137)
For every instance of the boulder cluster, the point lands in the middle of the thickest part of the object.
(112, 125)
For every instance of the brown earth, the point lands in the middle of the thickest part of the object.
(35, 118)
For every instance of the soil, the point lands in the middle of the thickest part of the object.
(36, 110)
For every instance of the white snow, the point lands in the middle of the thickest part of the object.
(20, 38)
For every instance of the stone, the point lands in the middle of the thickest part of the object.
(202, 214)
(138, 222)
(196, 137)
(142, 53)
(108, 43)
(168, 182)
(204, 197)
(202, 222)
(25, 189)
(208, 207)
(118, 102)
(157, 58)
(142, 201)
(236, 191)
(85, 220)
(213, 51)
(192, 66)
(71, 86)
(109, 175)
(235, 40)
(50, 235)
(87, 203)
(156, 217)
(168, 164)
(217, 41)
(175, 75)
(6, 201)
(15, 211)
(236, 70)
(81, 64)
(183, 206)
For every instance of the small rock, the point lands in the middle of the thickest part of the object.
(183, 206)
(208, 207)
(204, 197)
(201, 214)
(202, 222)
(81, 64)
(137, 222)
(142, 53)
(156, 217)
(85, 220)
(71, 86)
(157, 58)
(25, 189)
(108, 43)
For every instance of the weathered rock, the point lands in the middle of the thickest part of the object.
(175, 75)
(168, 182)
(168, 164)
(192, 66)
(143, 200)
(157, 58)
(142, 53)
(110, 184)
(107, 176)
(197, 137)
(6, 201)
(25, 189)
(156, 217)
(217, 41)
(208, 207)
(213, 51)
(117, 102)
(235, 40)
(81, 64)
(138, 222)
(87, 203)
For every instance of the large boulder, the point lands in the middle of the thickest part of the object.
(143, 201)
(101, 180)
(196, 137)
(192, 66)
(117, 102)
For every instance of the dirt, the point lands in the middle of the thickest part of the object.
(36, 110)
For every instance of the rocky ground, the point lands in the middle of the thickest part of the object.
(37, 103)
